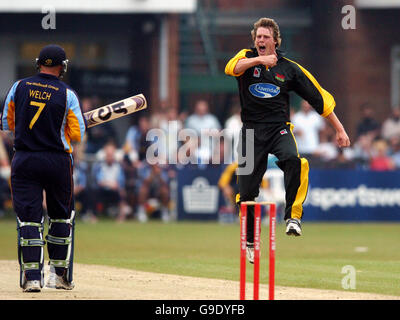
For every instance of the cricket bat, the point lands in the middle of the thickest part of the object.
(115, 110)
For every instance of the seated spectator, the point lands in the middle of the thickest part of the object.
(83, 193)
(391, 126)
(342, 161)
(135, 140)
(233, 125)
(327, 149)
(201, 118)
(221, 151)
(395, 150)
(97, 136)
(170, 123)
(153, 186)
(203, 122)
(362, 150)
(8, 142)
(109, 180)
(368, 124)
(5, 172)
(188, 153)
(380, 161)
(130, 167)
(307, 125)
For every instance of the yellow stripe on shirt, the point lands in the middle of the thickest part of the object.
(329, 101)
(230, 67)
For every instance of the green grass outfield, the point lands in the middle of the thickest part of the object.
(211, 250)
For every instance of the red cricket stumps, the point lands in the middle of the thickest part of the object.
(243, 246)
(257, 231)
(272, 247)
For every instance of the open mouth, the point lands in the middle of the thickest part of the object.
(262, 49)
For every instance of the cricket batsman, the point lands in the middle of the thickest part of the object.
(45, 116)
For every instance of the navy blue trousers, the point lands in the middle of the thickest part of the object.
(31, 174)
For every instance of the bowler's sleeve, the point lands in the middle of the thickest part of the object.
(230, 66)
(307, 87)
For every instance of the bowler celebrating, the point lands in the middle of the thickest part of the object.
(265, 77)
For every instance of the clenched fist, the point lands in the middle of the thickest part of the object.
(269, 61)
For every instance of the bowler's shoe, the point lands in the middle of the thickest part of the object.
(293, 227)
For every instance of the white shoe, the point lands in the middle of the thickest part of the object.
(142, 216)
(293, 227)
(32, 286)
(165, 215)
(250, 252)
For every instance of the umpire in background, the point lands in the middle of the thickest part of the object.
(46, 117)
(265, 78)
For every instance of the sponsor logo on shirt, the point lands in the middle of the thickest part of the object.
(282, 132)
(257, 72)
(264, 90)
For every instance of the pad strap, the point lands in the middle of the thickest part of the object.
(68, 221)
(32, 242)
(58, 240)
(59, 263)
(30, 224)
(30, 266)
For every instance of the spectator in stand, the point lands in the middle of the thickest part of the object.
(203, 122)
(202, 119)
(8, 143)
(83, 193)
(188, 153)
(135, 140)
(362, 150)
(341, 161)
(380, 161)
(109, 181)
(368, 125)
(130, 165)
(391, 126)
(326, 150)
(5, 172)
(395, 150)
(153, 188)
(97, 136)
(171, 124)
(307, 125)
(233, 125)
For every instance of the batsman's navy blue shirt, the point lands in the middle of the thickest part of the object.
(44, 113)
